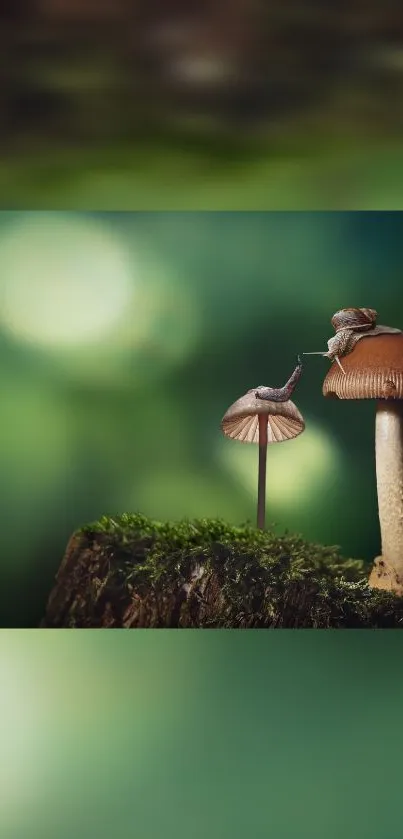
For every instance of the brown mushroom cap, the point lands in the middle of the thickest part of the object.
(241, 421)
(373, 370)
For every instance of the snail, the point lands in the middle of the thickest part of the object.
(281, 394)
(350, 325)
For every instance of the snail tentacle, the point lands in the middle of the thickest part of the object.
(336, 358)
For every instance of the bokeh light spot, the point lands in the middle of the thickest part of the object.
(23, 719)
(99, 303)
(297, 470)
(64, 280)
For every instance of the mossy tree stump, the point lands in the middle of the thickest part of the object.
(132, 572)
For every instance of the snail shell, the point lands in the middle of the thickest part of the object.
(349, 325)
(357, 319)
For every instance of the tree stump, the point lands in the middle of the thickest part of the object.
(131, 572)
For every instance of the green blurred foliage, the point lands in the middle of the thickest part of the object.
(124, 339)
(177, 104)
(218, 734)
(317, 174)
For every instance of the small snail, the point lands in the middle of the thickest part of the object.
(281, 394)
(349, 325)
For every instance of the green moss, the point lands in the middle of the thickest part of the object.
(264, 580)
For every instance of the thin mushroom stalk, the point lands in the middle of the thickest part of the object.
(261, 486)
(270, 394)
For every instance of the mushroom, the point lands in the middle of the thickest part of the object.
(373, 369)
(260, 420)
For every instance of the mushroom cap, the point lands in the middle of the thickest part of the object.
(241, 421)
(374, 370)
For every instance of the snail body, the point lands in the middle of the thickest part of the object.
(281, 394)
(341, 344)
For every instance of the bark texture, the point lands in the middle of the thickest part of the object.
(89, 592)
(135, 573)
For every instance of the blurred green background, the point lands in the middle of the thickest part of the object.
(225, 735)
(125, 337)
(178, 104)
(123, 340)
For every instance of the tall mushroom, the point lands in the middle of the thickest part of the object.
(373, 369)
(264, 416)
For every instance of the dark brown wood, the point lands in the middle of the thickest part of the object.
(90, 591)
(137, 574)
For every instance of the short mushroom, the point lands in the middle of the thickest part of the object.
(259, 420)
(373, 369)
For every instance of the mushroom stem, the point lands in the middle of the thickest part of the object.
(261, 487)
(389, 475)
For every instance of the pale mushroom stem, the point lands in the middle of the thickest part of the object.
(261, 487)
(389, 475)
